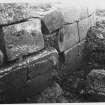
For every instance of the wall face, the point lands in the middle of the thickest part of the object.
(33, 36)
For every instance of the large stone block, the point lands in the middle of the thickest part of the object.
(68, 37)
(37, 84)
(13, 80)
(74, 57)
(72, 13)
(84, 26)
(23, 38)
(47, 61)
(13, 12)
(52, 21)
(53, 94)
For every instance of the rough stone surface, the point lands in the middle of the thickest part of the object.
(23, 38)
(38, 70)
(1, 57)
(47, 61)
(74, 57)
(95, 42)
(53, 94)
(13, 12)
(12, 82)
(51, 40)
(96, 81)
(84, 26)
(52, 21)
(72, 13)
(68, 37)
(37, 84)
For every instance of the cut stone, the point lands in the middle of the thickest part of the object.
(52, 21)
(23, 38)
(46, 62)
(68, 37)
(84, 26)
(74, 57)
(37, 70)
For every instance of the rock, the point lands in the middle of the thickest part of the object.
(23, 38)
(96, 81)
(53, 94)
(84, 26)
(14, 12)
(1, 57)
(73, 57)
(33, 73)
(71, 13)
(95, 42)
(68, 37)
(51, 40)
(52, 21)
(46, 61)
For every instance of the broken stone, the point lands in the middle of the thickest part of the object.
(96, 81)
(52, 21)
(53, 94)
(23, 38)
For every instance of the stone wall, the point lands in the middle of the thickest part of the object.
(33, 40)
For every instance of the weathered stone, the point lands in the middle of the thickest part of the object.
(13, 81)
(68, 37)
(74, 57)
(51, 40)
(1, 57)
(23, 38)
(38, 69)
(13, 12)
(53, 94)
(95, 44)
(37, 84)
(72, 13)
(96, 84)
(84, 26)
(51, 21)
(46, 62)
(96, 79)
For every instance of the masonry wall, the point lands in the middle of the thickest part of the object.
(35, 39)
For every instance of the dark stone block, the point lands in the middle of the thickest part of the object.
(52, 21)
